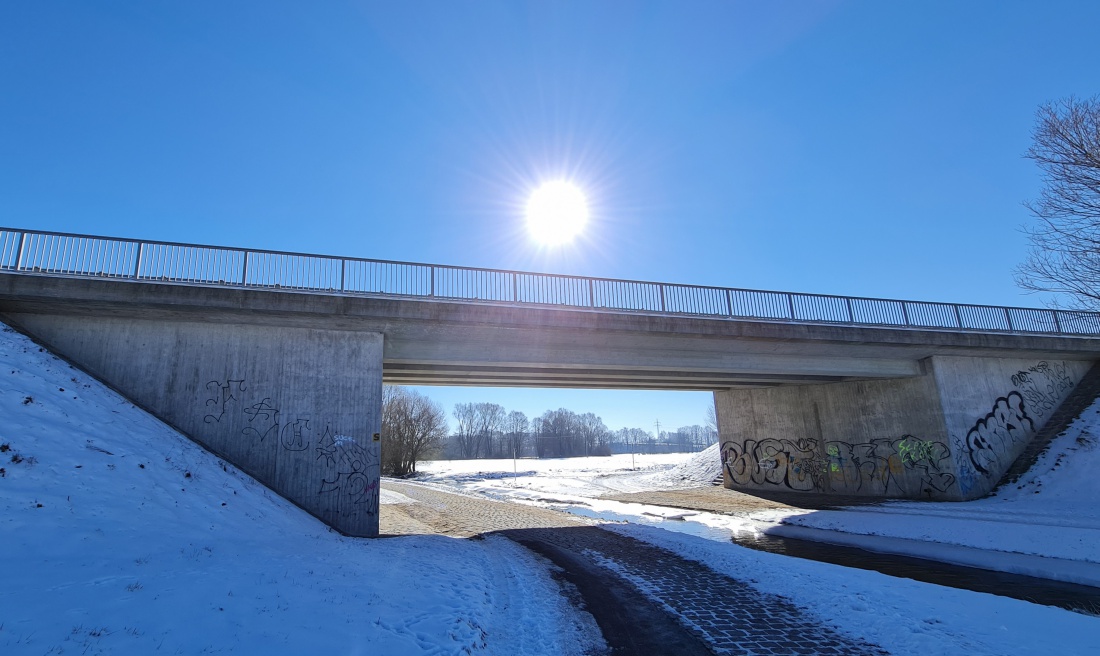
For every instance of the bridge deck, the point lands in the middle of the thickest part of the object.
(441, 342)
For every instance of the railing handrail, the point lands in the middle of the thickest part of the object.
(661, 287)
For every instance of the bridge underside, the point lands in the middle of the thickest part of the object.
(452, 343)
(477, 375)
(288, 385)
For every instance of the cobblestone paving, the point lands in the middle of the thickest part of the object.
(730, 616)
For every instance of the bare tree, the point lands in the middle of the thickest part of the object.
(412, 426)
(489, 426)
(516, 427)
(594, 435)
(558, 435)
(1065, 253)
(466, 430)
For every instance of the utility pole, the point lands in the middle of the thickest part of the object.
(658, 422)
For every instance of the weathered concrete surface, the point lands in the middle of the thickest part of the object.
(295, 407)
(455, 343)
(992, 407)
(947, 434)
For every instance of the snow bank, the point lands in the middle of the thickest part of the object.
(700, 469)
(120, 536)
(905, 617)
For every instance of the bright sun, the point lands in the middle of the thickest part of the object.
(556, 212)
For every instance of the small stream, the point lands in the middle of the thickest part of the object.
(1071, 596)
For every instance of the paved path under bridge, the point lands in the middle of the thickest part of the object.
(645, 599)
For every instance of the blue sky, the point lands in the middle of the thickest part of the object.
(863, 148)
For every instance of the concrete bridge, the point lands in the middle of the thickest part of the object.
(276, 361)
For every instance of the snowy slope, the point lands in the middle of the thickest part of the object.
(699, 469)
(120, 536)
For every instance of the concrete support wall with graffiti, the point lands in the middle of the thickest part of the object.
(948, 434)
(993, 407)
(297, 408)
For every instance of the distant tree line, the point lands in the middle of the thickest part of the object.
(416, 428)
(488, 430)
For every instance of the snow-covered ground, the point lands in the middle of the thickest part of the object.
(120, 536)
(1048, 525)
(902, 615)
(574, 477)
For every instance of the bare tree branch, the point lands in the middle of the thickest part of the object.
(1065, 245)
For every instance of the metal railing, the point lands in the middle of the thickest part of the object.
(61, 254)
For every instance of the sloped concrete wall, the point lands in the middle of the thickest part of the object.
(948, 434)
(297, 408)
(994, 406)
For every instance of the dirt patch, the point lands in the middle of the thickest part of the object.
(712, 498)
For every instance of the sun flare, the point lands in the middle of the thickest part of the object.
(556, 212)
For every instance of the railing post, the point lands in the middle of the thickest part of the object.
(591, 294)
(431, 291)
(137, 261)
(343, 268)
(790, 305)
(661, 288)
(515, 287)
(19, 251)
(851, 317)
(905, 313)
(1057, 323)
(244, 270)
(958, 317)
(1008, 319)
(729, 304)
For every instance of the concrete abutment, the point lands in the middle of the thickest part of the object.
(297, 408)
(948, 434)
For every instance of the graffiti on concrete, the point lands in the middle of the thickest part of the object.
(792, 464)
(353, 471)
(221, 393)
(263, 419)
(295, 435)
(1007, 425)
(1043, 386)
(997, 437)
(905, 466)
(964, 472)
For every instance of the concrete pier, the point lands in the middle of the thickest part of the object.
(948, 434)
(298, 408)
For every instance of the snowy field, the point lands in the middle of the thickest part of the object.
(122, 537)
(574, 477)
